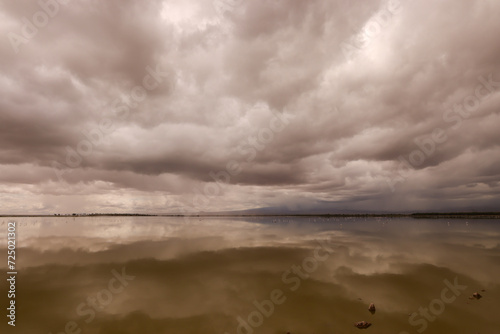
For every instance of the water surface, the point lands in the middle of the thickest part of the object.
(255, 275)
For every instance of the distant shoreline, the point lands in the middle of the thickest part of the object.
(430, 215)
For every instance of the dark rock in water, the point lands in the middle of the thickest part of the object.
(476, 295)
(362, 324)
(371, 308)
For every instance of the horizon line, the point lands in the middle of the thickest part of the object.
(413, 214)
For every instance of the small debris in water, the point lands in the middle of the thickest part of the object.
(362, 324)
(371, 308)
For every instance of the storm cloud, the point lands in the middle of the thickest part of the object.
(172, 106)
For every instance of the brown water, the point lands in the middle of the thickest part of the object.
(268, 275)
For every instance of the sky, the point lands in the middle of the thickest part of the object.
(176, 106)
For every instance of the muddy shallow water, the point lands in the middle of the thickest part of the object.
(254, 275)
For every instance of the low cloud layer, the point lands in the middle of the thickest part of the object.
(180, 106)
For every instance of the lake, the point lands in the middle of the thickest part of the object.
(124, 275)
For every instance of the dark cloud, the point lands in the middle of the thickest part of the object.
(157, 96)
